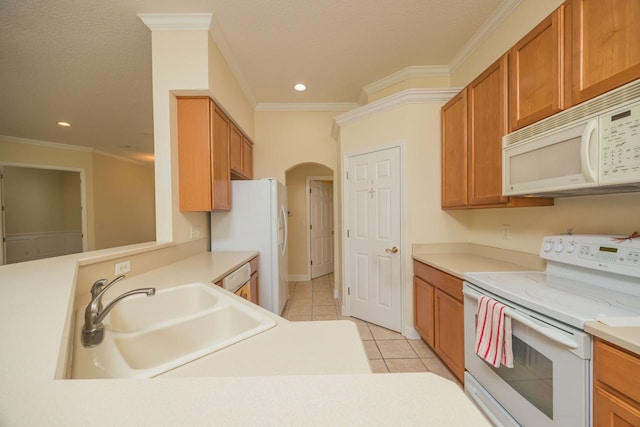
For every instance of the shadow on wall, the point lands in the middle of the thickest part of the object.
(311, 220)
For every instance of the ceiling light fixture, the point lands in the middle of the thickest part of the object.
(64, 124)
(300, 87)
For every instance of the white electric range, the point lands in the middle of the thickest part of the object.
(588, 277)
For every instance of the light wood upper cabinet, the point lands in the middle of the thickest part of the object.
(203, 155)
(604, 40)
(247, 158)
(241, 153)
(487, 125)
(454, 151)
(536, 73)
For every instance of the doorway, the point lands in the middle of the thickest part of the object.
(43, 212)
(373, 200)
(320, 220)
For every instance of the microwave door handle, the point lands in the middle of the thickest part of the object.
(585, 149)
(552, 334)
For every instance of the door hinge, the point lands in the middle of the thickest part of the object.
(347, 233)
(310, 226)
(348, 291)
(311, 262)
(309, 191)
(347, 175)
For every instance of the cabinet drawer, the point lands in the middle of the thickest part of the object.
(443, 281)
(253, 263)
(617, 369)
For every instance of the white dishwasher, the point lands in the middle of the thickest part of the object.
(238, 281)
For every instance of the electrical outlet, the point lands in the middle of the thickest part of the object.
(195, 233)
(123, 267)
(506, 231)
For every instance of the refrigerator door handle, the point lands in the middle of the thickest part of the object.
(285, 231)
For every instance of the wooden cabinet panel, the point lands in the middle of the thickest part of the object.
(445, 282)
(236, 146)
(247, 158)
(423, 294)
(449, 333)
(203, 155)
(610, 411)
(254, 289)
(487, 126)
(536, 73)
(605, 52)
(454, 151)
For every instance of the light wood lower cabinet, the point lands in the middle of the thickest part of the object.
(616, 386)
(439, 314)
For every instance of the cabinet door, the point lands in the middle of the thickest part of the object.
(247, 158)
(535, 73)
(487, 126)
(236, 148)
(220, 160)
(423, 294)
(605, 47)
(611, 411)
(253, 285)
(194, 154)
(449, 332)
(454, 151)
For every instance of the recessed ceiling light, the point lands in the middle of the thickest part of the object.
(300, 87)
(64, 124)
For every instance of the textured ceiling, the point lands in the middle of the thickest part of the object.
(89, 62)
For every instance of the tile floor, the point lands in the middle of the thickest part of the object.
(388, 351)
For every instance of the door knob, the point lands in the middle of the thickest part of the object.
(392, 250)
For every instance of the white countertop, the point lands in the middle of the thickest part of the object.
(35, 304)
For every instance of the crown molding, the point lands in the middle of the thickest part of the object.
(176, 21)
(295, 106)
(406, 97)
(416, 71)
(489, 26)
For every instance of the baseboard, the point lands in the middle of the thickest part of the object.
(299, 277)
(411, 333)
(336, 294)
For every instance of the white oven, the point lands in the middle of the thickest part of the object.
(550, 382)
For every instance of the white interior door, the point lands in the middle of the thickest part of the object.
(374, 276)
(321, 227)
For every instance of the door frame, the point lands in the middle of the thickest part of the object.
(346, 269)
(308, 203)
(83, 198)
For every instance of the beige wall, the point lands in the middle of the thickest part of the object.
(41, 200)
(417, 126)
(296, 182)
(25, 152)
(123, 201)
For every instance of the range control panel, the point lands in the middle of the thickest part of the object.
(620, 144)
(616, 254)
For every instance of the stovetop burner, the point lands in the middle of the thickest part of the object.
(565, 298)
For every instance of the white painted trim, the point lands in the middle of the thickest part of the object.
(299, 277)
(346, 303)
(416, 71)
(489, 26)
(83, 192)
(308, 216)
(294, 106)
(176, 21)
(409, 96)
(411, 333)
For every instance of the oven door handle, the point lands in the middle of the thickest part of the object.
(552, 334)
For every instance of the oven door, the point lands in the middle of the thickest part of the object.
(550, 381)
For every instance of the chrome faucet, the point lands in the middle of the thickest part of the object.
(93, 330)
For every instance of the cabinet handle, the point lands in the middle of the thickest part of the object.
(392, 250)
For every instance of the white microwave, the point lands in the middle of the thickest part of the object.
(593, 148)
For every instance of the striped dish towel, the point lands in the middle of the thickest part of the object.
(493, 333)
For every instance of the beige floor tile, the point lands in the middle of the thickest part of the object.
(324, 309)
(299, 309)
(381, 333)
(372, 350)
(325, 317)
(298, 318)
(365, 333)
(436, 366)
(405, 365)
(396, 349)
(421, 348)
(323, 294)
(323, 300)
(378, 366)
(354, 320)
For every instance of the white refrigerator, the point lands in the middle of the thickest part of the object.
(258, 222)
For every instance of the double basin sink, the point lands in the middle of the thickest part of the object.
(146, 336)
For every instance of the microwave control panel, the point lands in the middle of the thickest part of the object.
(620, 144)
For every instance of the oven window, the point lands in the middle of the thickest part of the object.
(531, 376)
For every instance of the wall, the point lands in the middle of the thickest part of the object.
(28, 152)
(417, 126)
(296, 182)
(124, 202)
